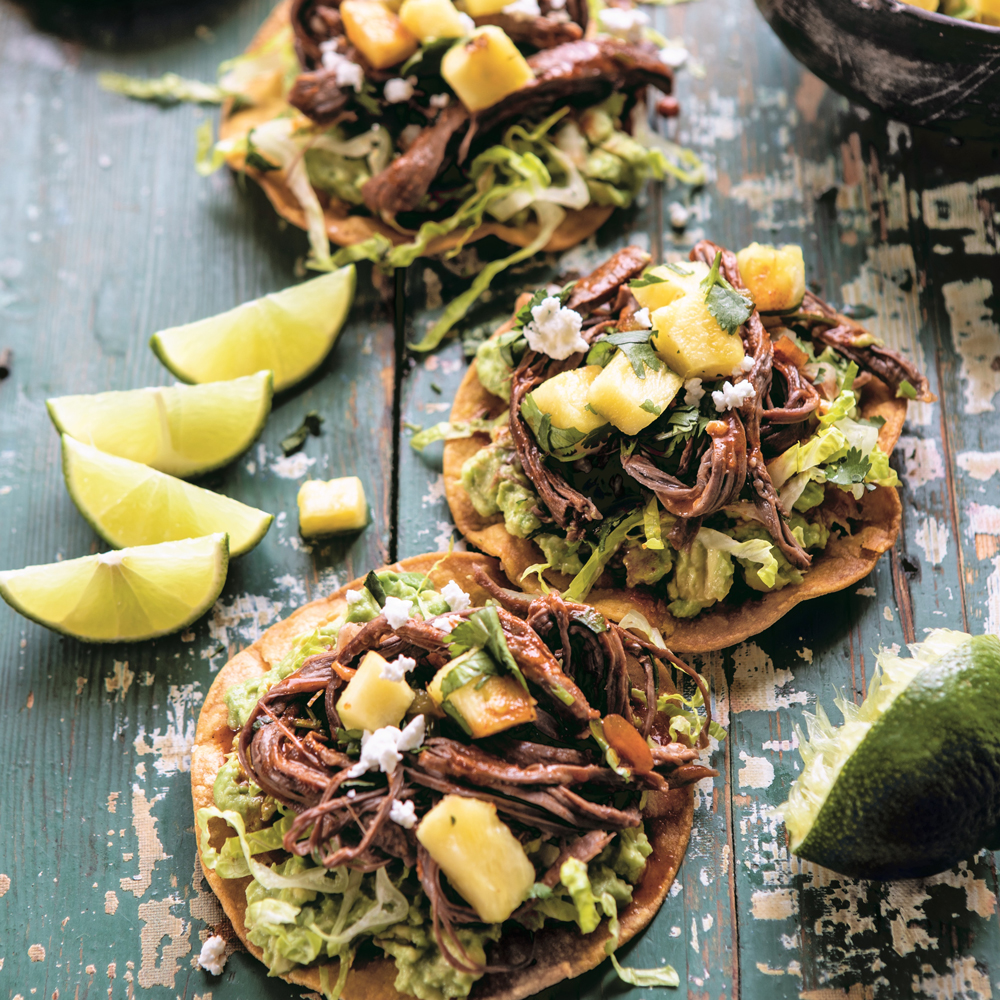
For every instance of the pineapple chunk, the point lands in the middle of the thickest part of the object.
(484, 68)
(370, 702)
(775, 276)
(483, 8)
(332, 507)
(924, 4)
(987, 11)
(673, 286)
(486, 707)
(565, 397)
(432, 19)
(691, 342)
(480, 856)
(377, 33)
(629, 402)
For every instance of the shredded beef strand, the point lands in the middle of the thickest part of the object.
(584, 849)
(603, 284)
(801, 397)
(543, 32)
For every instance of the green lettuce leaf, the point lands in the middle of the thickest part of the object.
(612, 537)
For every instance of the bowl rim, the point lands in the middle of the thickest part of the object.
(935, 17)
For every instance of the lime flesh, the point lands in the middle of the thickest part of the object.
(123, 596)
(130, 504)
(183, 430)
(910, 784)
(288, 332)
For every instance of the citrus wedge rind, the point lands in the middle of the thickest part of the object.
(183, 430)
(910, 783)
(130, 504)
(288, 332)
(123, 596)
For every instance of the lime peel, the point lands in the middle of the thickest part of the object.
(829, 747)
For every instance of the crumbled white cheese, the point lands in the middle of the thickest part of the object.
(627, 23)
(448, 624)
(693, 392)
(674, 55)
(458, 599)
(529, 8)
(730, 397)
(398, 669)
(398, 90)
(641, 319)
(354, 597)
(213, 955)
(397, 611)
(439, 100)
(352, 793)
(346, 73)
(744, 366)
(555, 330)
(409, 134)
(679, 215)
(383, 749)
(403, 813)
(557, 4)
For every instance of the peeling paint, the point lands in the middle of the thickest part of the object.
(922, 462)
(4, 884)
(160, 966)
(113, 801)
(980, 465)
(292, 466)
(993, 599)
(758, 772)
(962, 981)
(36, 953)
(756, 682)
(932, 536)
(774, 904)
(976, 339)
(120, 681)
(959, 207)
(247, 616)
(173, 747)
(979, 898)
(110, 902)
(150, 847)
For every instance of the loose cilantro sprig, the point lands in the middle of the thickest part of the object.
(729, 307)
(635, 345)
(483, 629)
(851, 469)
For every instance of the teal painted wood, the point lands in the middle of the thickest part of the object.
(96, 257)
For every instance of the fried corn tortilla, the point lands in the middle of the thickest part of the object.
(346, 229)
(562, 952)
(844, 561)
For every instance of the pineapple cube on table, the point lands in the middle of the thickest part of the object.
(629, 402)
(433, 19)
(692, 343)
(370, 701)
(673, 285)
(479, 856)
(332, 507)
(483, 8)
(377, 33)
(484, 68)
(776, 276)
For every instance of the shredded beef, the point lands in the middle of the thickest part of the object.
(603, 284)
(544, 32)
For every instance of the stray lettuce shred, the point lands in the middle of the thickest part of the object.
(448, 431)
(167, 89)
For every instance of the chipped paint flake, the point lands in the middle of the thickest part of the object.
(774, 904)
(979, 898)
(757, 772)
(36, 953)
(932, 536)
(110, 902)
(980, 465)
(247, 616)
(866, 592)
(113, 801)
(4, 884)
(768, 971)
(922, 462)
(173, 747)
(160, 965)
(756, 683)
(962, 981)
(119, 681)
(904, 901)
(887, 613)
(150, 847)
(961, 207)
(976, 339)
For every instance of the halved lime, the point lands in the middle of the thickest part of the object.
(131, 504)
(910, 783)
(288, 332)
(122, 596)
(183, 430)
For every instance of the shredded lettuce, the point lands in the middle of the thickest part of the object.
(447, 431)
(755, 550)
(612, 537)
(167, 89)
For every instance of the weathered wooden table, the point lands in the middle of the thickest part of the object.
(109, 234)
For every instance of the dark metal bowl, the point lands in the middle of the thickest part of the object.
(917, 67)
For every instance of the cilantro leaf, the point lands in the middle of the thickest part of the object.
(859, 311)
(650, 407)
(311, 424)
(851, 469)
(477, 664)
(374, 587)
(646, 280)
(728, 307)
(677, 269)
(906, 390)
(601, 353)
(636, 347)
(565, 444)
(682, 424)
(483, 629)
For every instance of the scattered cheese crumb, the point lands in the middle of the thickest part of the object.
(439, 101)
(447, 624)
(354, 597)
(679, 215)
(383, 749)
(352, 793)
(397, 90)
(398, 669)
(623, 23)
(346, 72)
(529, 8)
(674, 55)
(744, 366)
(730, 397)
(213, 955)
(555, 330)
(397, 611)
(693, 392)
(557, 4)
(641, 319)
(409, 134)
(403, 813)
(458, 599)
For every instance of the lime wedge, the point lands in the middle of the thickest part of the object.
(910, 783)
(131, 504)
(122, 596)
(289, 332)
(183, 430)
